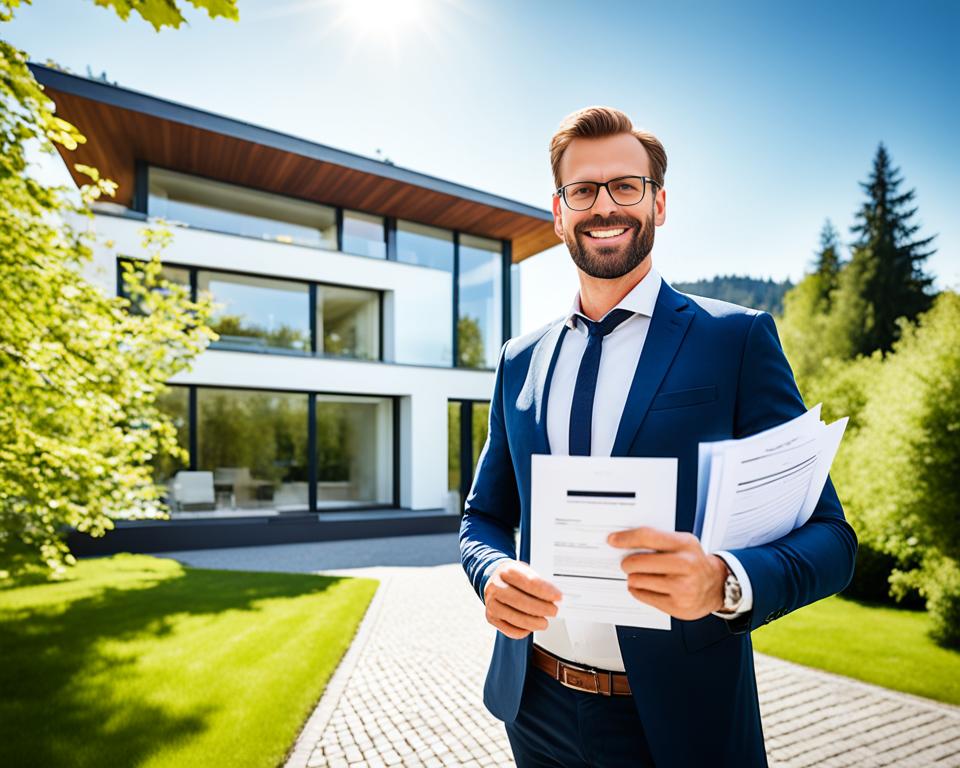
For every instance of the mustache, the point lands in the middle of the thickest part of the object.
(610, 223)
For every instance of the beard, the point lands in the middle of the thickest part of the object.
(611, 262)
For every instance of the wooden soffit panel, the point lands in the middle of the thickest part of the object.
(120, 134)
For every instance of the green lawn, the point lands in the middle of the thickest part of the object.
(877, 644)
(139, 661)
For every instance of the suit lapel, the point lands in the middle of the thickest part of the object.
(536, 387)
(668, 326)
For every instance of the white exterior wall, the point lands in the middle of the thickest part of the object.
(424, 390)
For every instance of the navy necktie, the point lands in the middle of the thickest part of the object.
(581, 410)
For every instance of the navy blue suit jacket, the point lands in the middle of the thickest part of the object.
(709, 370)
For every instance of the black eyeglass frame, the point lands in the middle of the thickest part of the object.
(562, 191)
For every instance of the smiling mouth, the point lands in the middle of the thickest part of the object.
(608, 233)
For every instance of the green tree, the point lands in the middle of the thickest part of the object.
(885, 278)
(808, 336)
(827, 262)
(470, 343)
(900, 471)
(79, 375)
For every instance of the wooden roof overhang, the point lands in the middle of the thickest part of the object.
(123, 126)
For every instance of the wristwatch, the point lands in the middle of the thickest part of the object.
(732, 595)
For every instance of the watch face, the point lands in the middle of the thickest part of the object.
(732, 594)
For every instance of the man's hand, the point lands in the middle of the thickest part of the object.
(679, 578)
(518, 600)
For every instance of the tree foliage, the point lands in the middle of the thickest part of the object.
(79, 375)
(470, 343)
(902, 464)
(863, 339)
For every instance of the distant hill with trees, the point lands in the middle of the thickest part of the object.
(741, 289)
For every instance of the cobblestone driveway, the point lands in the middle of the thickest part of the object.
(409, 690)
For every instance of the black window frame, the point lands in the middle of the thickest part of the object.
(141, 184)
(394, 440)
(468, 461)
(312, 285)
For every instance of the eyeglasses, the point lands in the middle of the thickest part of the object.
(625, 190)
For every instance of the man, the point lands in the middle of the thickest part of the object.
(635, 369)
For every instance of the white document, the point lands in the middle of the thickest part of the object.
(576, 501)
(754, 490)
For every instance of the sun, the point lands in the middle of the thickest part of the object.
(385, 20)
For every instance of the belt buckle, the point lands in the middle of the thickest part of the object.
(574, 682)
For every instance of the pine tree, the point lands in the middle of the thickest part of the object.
(889, 264)
(826, 264)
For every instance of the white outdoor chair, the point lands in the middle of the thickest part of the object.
(193, 489)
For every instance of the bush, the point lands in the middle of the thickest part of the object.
(871, 580)
(900, 468)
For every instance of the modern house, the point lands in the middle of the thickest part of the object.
(362, 307)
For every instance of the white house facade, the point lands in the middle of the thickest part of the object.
(360, 309)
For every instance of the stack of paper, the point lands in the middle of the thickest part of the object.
(756, 489)
(576, 502)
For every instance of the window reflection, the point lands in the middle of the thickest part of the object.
(348, 322)
(454, 502)
(173, 402)
(175, 275)
(481, 418)
(423, 245)
(459, 477)
(252, 450)
(258, 313)
(423, 320)
(479, 326)
(354, 451)
(364, 234)
(215, 205)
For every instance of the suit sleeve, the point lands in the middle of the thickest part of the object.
(817, 559)
(492, 509)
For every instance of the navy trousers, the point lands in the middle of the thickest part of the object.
(559, 727)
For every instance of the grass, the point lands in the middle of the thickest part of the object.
(140, 661)
(878, 644)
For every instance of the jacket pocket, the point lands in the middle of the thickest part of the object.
(681, 397)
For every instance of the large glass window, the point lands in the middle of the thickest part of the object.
(252, 450)
(464, 445)
(478, 432)
(423, 245)
(354, 451)
(454, 502)
(364, 234)
(175, 275)
(479, 326)
(258, 313)
(348, 322)
(207, 204)
(423, 310)
(173, 402)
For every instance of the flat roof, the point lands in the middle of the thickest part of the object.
(123, 126)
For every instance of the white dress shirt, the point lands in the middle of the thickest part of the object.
(590, 643)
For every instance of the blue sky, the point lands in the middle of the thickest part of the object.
(770, 112)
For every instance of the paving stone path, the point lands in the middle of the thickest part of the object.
(409, 691)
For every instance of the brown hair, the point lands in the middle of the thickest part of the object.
(595, 122)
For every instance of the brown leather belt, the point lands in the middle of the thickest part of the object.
(587, 679)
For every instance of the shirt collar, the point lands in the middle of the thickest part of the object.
(641, 299)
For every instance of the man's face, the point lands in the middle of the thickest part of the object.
(603, 159)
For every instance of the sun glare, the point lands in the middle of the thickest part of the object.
(381, 19)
